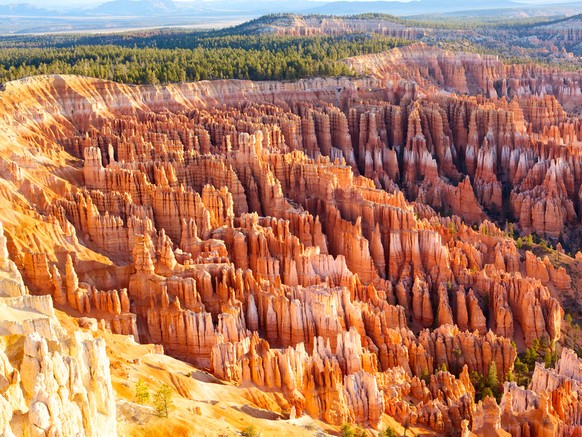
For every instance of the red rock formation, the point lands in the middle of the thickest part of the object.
(296, 236)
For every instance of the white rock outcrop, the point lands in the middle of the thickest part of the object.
(61, 386)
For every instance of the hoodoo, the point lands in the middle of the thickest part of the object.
(331, 248)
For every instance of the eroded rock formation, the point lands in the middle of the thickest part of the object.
(50, 383)
(327, 239)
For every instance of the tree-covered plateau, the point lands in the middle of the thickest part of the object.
(193, 56)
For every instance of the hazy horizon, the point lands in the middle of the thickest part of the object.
(79, 3)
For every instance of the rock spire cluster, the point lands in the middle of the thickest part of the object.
(330, 239)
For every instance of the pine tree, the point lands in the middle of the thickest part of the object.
(142, 393)
(406, 425)
(492, 380)
(163, 401)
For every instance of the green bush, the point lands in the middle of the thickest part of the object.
(425, 376)
(519, 243)
(538, 352)
(250, 431)
(347, 430)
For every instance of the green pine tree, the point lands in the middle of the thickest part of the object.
(142, 392)
(163, 401)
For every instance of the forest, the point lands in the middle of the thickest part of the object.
(155, 57)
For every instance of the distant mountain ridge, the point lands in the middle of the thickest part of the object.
(410, 8)
(23, 10)
(134, 7)
(127, 14)
(152, 8)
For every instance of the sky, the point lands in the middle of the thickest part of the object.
(49, 4)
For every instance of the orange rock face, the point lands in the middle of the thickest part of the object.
(326, 239)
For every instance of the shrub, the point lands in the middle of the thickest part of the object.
(519, 243)
(250, 431)
(487, 392)
(568, 319)
(347, 431)
(425, 376)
